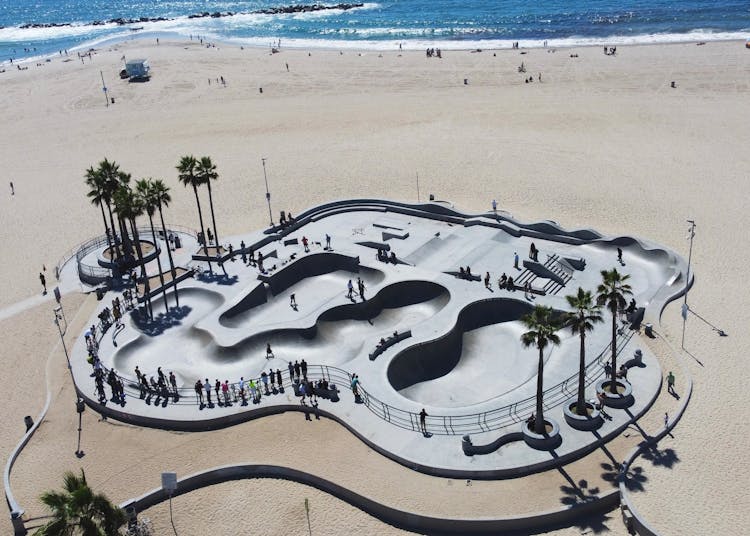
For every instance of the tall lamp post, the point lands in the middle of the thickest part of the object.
(80, 406)
(268, 194)
(685, 307)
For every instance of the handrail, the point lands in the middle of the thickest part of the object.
(86, 245)
(472, 423)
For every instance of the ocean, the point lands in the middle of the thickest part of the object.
(31, 29)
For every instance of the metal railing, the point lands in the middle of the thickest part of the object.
(436, 424)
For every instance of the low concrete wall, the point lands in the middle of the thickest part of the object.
(309, 266)
(399, 518)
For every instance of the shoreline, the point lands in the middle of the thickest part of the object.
(489, 45)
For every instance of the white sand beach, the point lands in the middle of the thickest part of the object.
(602, 142)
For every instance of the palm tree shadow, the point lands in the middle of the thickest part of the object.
(578, 494)
(634, 478)
(161, 322)
(662, 458)
(219, 279)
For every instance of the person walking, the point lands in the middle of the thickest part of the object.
(43, 281)
(670, 383)
(423, 421)
(293, 301)
(199, 392)
(349, 288)
(361, 288)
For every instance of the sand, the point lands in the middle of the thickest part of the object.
(602, 142)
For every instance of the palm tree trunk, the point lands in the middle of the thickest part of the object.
(169, 253)
(146, 288)
(203, 230)
(213, 219)
(158, 262)
(106, 229)
(539, 427)
(613, 386)
(114, 233)
(581, 407)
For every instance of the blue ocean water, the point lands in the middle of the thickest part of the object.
(377, 24)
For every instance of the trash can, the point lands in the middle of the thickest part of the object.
(649, 330)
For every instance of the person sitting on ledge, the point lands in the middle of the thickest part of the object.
(381, 343)
(510, 285)
(468, 272)
(461, 272)
(395, 334)
(502, 281)
(393, 258)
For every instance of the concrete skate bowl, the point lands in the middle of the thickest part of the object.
(338, 334)
(478, 359)
(309, 269)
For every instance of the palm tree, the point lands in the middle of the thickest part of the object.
(143, 191)
(78, 510)
(129, 206)
(111, 177)
(97, 194)
(160, 195)
(206, 172)
(542, 326)
(582, 320)
(187, 176)
(611, 292)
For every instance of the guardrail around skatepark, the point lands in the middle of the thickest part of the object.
(473, 423)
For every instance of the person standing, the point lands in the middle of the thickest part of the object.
(494, 206)
(619, 255)
(328, 241)
(272, 376)
(43, 280)
(293, 301)
(278, 379)
(349, 288)
(269, 353)
(305, 244)
(423, 421)
(264, 379)
(297, 369)
(207, 387)
(199, 392)
(173, 382)
(515, 260)
(670, 383)
(225, 392)
(217, 388)
(361, 288)
(290, 366)
(303, 368)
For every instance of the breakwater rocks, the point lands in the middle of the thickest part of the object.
(120, 21)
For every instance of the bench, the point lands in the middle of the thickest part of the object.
(390, 341)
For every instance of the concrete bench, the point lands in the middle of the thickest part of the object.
(390, 341)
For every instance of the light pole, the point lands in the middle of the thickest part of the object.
(687, 281)
(268, 194)
(59, 315)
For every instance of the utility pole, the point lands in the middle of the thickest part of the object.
(685, 307)
(59, 315)
(268, 194)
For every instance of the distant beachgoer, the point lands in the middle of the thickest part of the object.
(423, 421)
(287, 67)
(494, 205)
(43, 280)
(12, 189)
